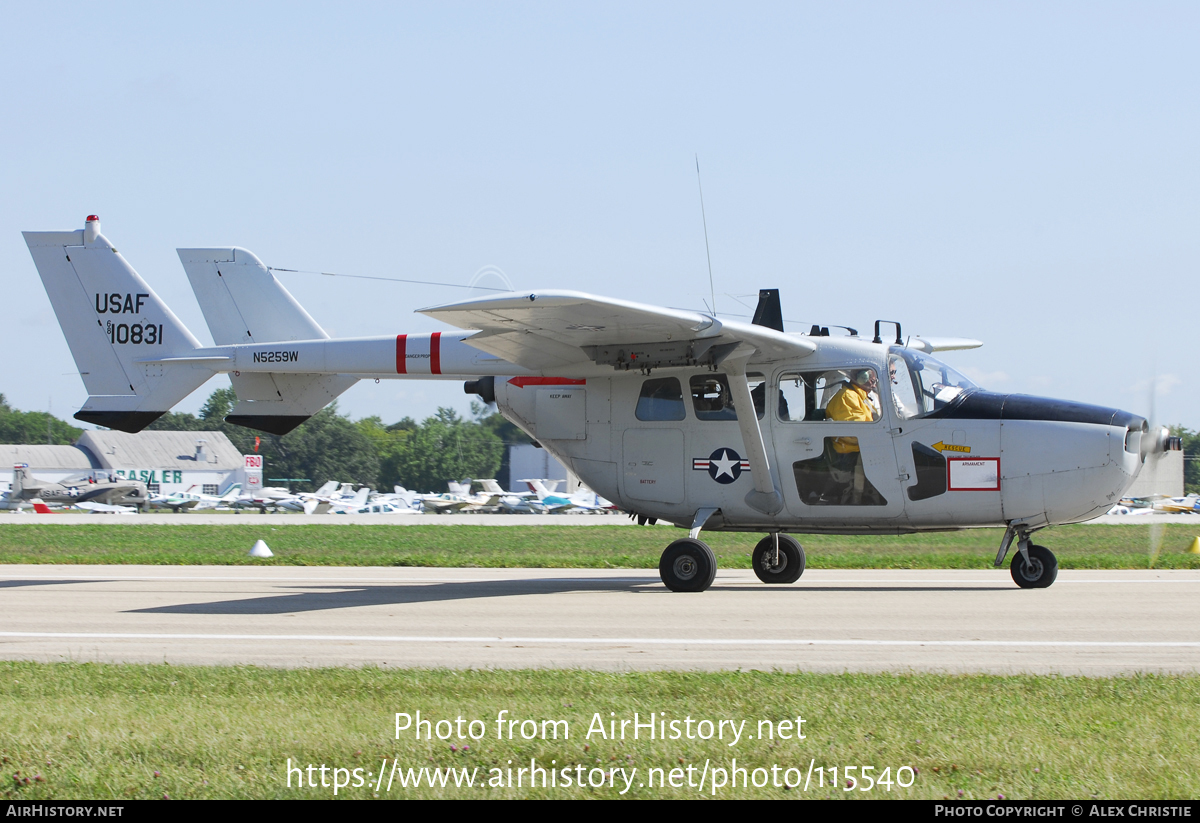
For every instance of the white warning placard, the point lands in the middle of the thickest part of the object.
(973, 474)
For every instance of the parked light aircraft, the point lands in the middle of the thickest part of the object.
(584, 499)
(268, 497)
(194, 500)
(674, 415)
(174, 501)
(1157, 504)
(94, 508)
(459, 499)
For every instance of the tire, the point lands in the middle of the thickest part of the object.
(1041, 571)
(687, 565)
(791, 560)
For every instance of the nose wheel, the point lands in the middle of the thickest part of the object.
(687, 565)
(786, 568)
(1040, 570)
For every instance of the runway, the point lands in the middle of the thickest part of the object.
(1088, 622)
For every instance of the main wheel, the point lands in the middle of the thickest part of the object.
(687, 565)
(791, 560)
(1039, 572)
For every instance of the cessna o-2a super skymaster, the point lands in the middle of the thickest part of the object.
(672, 415)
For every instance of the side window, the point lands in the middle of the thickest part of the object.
(837, 477)
(794, 397)
(848, 395)
(661, 399)
(712, 399)
(931, 473)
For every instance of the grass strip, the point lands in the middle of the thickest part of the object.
(130, 731)
(595, 547)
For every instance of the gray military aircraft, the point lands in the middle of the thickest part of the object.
(83, 488)
(673, 415)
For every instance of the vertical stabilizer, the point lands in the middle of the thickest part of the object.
(242, 300)
(119, 331)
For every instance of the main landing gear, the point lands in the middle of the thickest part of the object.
(778, 558)
(689, 565)
(1032, 567)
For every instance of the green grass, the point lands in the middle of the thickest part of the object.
(1077, 547)
(122, 732)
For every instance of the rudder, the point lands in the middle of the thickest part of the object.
(244, 303)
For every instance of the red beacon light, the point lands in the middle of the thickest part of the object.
(91, 229)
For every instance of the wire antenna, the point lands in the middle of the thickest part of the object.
(712, 291)
(472, 285)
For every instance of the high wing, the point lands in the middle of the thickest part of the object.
(569, 333)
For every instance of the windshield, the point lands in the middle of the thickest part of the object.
(922, 384)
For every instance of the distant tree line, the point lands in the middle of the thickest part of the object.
(330, 446)
(1191, 458)
(34, 428)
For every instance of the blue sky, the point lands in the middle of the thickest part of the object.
(1026, 174)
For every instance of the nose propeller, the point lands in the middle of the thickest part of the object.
(1157, 440)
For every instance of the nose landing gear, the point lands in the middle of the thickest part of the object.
(1032, 567)
(1035, 572)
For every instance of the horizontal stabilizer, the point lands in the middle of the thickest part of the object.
(277, 402)
(94, 411)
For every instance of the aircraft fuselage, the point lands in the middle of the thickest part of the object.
(985, 459)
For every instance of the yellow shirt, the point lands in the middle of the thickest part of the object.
(850, 404)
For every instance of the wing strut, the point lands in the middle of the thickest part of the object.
(764, 497)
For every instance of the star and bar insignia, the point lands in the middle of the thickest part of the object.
(724, 465)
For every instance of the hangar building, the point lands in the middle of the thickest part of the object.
(165, 461)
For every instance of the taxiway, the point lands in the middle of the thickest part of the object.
(1089, 622)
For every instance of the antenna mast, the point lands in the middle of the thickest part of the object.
(712, 291)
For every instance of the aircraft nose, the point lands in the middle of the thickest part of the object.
(1065, 461)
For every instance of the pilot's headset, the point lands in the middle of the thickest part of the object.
(863, 378)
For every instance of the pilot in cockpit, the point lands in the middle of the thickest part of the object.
(852, 404)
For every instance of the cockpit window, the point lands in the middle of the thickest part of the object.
(922, 384)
